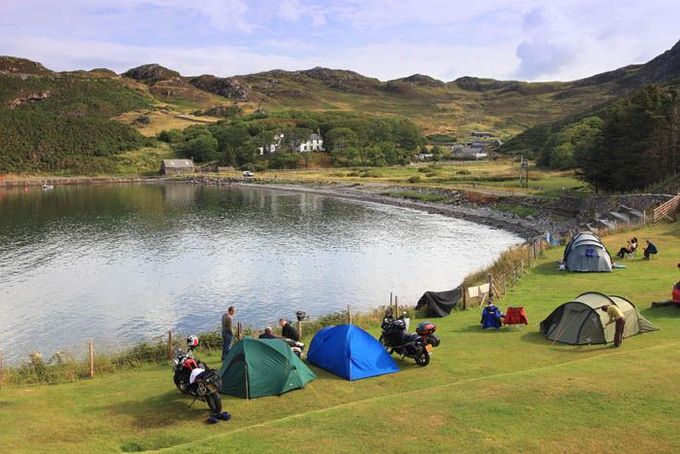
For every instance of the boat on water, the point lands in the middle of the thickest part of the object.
(47, 187)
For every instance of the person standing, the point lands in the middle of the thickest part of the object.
(227, 330)
(288, 330)
(615, 316)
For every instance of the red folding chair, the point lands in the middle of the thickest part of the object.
(515, 316)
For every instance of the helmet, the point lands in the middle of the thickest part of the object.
(192, 342)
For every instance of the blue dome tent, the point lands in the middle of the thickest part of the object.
(350, 352)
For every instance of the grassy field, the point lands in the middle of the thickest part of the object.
(502, 391)
(500, 176)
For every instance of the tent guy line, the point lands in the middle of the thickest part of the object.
(616, 352)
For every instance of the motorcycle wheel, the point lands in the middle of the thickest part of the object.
(181, 385)
(383, 341)
(422, 358)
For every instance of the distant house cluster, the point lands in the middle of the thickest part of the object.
(479, 147)
(470, 150)
(313, 143)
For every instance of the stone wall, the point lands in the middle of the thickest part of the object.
(598, 205)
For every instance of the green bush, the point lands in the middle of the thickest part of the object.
(415, 179)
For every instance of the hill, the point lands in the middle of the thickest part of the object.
(52, 120)
(457, 107)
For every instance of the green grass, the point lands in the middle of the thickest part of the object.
(520, 210)
(502, 391)
(501, 177)
(420, 196)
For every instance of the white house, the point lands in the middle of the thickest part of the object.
(271, 147)
(313, 143)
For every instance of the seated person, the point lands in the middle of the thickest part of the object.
(675, 298)
(491, 316)
(650, 249)
(268, 334)
(630, 247)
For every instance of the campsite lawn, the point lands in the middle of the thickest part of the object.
(509, 390)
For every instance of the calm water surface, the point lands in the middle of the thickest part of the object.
(119, 264)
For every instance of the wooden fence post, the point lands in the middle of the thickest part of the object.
(170, 345)
(349, 314)
(239, 331)
(299, 328)
(464, 297)
(90, 348)
(396, 306)
(490, 287)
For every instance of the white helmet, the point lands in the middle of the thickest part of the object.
(192, 342)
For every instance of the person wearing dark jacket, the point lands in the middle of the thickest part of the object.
(288, 330)
(650, 249)
(227, 330)
(268, 334)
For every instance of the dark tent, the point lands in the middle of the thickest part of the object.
(262, 367)
(350, 352)
(439, 304)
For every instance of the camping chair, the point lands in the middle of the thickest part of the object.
(516, 316)
(629, 255)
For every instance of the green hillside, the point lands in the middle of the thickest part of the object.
(49, 121)
(73, 121)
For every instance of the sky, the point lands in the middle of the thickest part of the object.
(387, 39)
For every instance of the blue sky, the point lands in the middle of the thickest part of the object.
(387, 39)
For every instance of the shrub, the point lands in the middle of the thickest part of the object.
(415, 179)
(260, 166)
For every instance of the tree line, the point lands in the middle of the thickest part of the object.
(350, 139)
(629, 144)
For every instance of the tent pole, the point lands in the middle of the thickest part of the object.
(245, 365)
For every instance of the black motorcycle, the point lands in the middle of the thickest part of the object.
(417, 345)
(205, 385)
(296, 347)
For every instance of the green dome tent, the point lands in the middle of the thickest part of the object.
(262, 367)
(581, 322)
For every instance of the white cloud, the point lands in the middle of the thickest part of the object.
(529, 39)
(290, 10)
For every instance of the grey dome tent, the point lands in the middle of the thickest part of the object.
(581, 322)
(585, 252)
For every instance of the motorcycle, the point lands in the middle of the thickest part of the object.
(193, 377)
(297, 347)
(417, 346)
